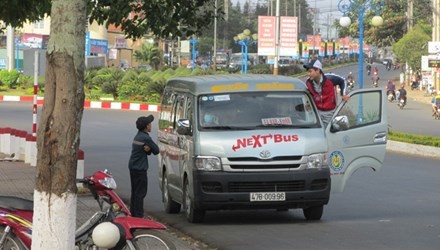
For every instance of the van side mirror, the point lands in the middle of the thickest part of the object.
(183, 127)
(339, 123)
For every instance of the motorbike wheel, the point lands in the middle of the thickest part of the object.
(11, 241)
(151, 239)
(171, 206)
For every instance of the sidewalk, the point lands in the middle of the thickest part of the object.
(18, 179)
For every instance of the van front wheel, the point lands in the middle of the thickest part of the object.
(170, 206)
(313, 213)
(193, 215)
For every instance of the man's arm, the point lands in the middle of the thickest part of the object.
(339, 81)
(153, 148)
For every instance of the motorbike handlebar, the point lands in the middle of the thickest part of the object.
(83, 181)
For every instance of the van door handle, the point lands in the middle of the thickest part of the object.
(380, 137)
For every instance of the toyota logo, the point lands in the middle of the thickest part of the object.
(265, 154)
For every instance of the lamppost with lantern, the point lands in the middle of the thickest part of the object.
(361, 7)
(245, 39)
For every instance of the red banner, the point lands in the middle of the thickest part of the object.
(266, 35)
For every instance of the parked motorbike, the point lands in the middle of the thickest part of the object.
(414, 85)
(112, 227)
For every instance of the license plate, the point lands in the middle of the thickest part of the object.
(268, 196)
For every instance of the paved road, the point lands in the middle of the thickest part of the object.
(395, 209)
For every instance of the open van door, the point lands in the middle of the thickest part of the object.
(357, 135)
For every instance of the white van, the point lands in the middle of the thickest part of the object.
(256, 141)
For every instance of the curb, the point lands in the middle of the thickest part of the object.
(90, 104)
(413, 149)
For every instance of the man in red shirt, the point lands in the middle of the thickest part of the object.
(322, 88)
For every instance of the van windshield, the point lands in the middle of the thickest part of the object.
(256, 110)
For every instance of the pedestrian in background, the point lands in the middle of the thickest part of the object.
(322, 88)
(142, 146)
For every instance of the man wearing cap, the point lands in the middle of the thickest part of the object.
(142, 146)
(322, 88)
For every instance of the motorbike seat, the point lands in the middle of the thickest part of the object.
(12, 203)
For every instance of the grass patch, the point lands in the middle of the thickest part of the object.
(432, 141)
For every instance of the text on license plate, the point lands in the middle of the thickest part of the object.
(268, 196)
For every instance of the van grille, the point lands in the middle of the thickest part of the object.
(283, 166)
(278, 186)
(276, 158)
(319, 184)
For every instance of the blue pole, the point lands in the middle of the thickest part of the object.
(242, 56)
(193, 53)
(245, 58)
(361, 47)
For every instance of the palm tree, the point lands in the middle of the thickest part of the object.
(149, 54)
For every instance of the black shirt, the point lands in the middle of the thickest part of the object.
(139, 158)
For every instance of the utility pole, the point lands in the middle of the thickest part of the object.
(410, 10)
(435, 37)
(10, 47)
(215, 37)
(277, 38)
(225, 30)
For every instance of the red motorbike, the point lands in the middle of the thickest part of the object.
(112, 227)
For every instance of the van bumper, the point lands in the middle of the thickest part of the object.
(231, 190)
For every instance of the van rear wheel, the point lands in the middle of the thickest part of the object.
(313, 213)
(193, 215)
(171, 207)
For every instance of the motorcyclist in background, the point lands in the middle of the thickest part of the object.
(369, 69)
(375, 79)
(350, 80)
(402, 94)
(391, 88)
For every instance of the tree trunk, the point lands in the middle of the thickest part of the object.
(58, 135)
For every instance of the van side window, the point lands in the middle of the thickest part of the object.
(189, 111)
(165, 120)
(179, 110)
(362, 109)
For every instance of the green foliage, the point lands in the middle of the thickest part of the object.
(15, 12)
(109, 79)
(157, 87)
(9, 78)
(149, 54)
(395, 21)
(25, 82)
(158, 17)
(134, 86)
(414, 139)
(412, 46)
(261, 69)
(290, 70)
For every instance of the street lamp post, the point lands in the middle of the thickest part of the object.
(193, 42)
(360, 6)
(245, 39)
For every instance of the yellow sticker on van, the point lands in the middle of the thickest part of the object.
(275, 86)
(230, 87)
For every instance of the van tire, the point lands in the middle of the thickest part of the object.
(313, 213)
(171, 207)
(193, 215)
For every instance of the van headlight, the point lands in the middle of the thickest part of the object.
(317, 161)
(208, 163)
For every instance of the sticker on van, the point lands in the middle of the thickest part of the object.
(257, 141)
(337, 161)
